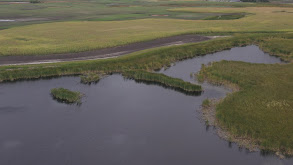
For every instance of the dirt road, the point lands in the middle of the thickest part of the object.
(102, 53)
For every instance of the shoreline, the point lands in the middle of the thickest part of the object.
(208, 115)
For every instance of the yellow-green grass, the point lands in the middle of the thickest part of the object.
(262, 111)
(65, 37)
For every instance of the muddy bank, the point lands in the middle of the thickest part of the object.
(209, 116)
(103, 53)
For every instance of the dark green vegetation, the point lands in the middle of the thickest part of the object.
(35, 1)
(163, 80)
(89, 78)
(65, 95)
(262, 111)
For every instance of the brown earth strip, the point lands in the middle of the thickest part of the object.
(102, 53)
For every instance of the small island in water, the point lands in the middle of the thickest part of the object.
(66, 96)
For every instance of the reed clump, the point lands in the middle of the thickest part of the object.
(90, 78)
(162, 79)
(65, 95)
(206, 103)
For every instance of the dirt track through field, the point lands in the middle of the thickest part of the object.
(102, 53)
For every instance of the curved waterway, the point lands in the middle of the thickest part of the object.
(120, 122)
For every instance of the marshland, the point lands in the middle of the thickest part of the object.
(223, 99)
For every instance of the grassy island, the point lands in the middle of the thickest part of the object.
(163, 80)
(66, 95)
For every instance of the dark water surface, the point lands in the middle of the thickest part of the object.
(120, 122)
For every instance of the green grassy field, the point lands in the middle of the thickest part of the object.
(79, 36)
(97, 10)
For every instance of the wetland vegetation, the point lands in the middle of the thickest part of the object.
(90, 78)
(163, 80)
(145, 60)
(65, 95)
(260, 111)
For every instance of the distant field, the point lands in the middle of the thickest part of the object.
(76, 36)
(99, 10)
(104, 10)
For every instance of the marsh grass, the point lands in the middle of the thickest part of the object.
(262, 111)
(206, 103)
(65, 95)
(163, 80)
(90, 78)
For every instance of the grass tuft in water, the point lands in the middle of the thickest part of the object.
(90, 78)
(206, 103)
(65, 95)
(163, 80)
